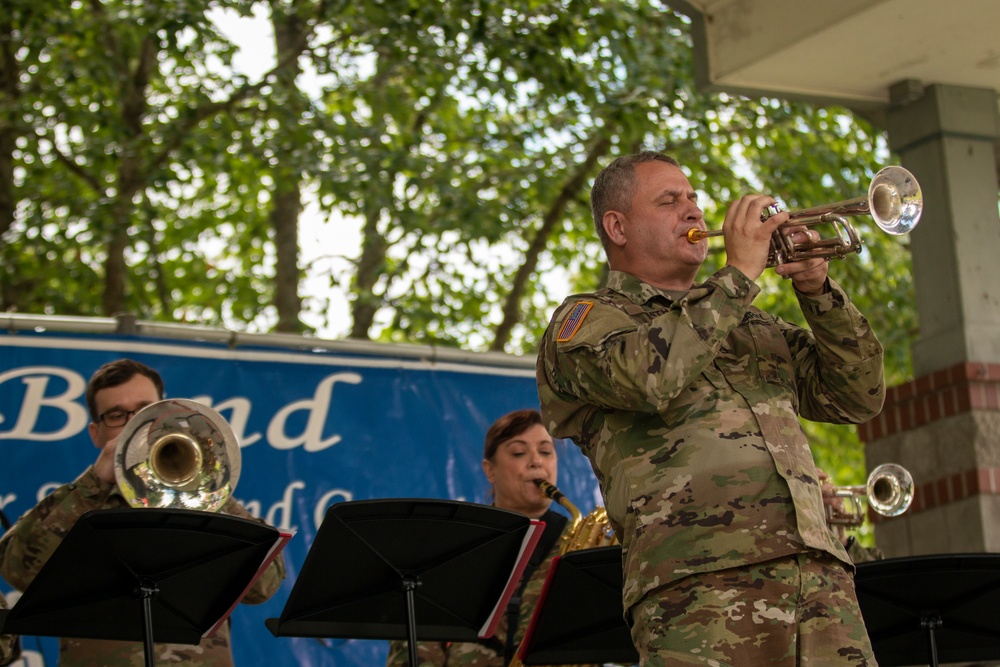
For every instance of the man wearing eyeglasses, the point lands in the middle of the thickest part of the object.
(115, 393)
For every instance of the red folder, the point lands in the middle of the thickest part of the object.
(527, 548)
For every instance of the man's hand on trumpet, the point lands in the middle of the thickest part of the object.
(833, 504)
(747, 237)
(808, 275)
(104, 466)
(748, 244)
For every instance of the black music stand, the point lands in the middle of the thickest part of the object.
(132, 574)
(402, 568)
(931, 608)
(579, 617)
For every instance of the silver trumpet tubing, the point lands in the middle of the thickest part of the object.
(888, 492)
(178, 454)
(894, 202)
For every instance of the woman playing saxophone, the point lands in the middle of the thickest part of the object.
(517, 455)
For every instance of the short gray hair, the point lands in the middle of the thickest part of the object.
(615, 186)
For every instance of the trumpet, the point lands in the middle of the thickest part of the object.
(178, 454)
(894, 202)
(888, 490)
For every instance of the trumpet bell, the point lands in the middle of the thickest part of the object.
(178, 454)
(895, 201)
(890, 489)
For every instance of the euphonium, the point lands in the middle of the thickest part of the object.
(583, 533)
(178, 454)
(888, 490)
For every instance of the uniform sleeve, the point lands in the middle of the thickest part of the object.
(10, 648)
(429, 654)
(270, 580)
(30, 542)
(615, 361)
(861, 554)
(838, 361)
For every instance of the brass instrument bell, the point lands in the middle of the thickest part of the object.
(177, 453)
(894, 201)
(888, 491)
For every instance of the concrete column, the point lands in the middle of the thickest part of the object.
(944, 426)
(946, 137)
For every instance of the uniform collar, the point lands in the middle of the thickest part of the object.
(639, 292)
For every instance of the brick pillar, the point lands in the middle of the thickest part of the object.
(943, 427)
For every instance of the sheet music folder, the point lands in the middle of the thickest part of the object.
(463, 560)
(200, 563)
(579, 617)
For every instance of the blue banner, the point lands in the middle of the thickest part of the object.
(316, 427)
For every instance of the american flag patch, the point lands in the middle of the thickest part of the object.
(573, 321)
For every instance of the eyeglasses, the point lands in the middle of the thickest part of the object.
(116, 418)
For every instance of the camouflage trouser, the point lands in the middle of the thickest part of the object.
(798, 610)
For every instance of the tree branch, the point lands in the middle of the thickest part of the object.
(512, 304)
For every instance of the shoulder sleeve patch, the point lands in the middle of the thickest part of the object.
(573, 321)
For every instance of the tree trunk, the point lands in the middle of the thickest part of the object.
(286, 207)
(10, 92)
(290, 37)
(132, 176)
(370, 267)
(572, 187)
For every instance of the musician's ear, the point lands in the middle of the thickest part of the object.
(614, 227)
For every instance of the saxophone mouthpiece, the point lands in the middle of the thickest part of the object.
(549, 489)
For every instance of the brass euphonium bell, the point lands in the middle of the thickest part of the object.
(177, 454)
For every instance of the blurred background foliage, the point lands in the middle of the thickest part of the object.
(441, 151)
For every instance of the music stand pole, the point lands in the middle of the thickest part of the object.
(147, 590)
(410, 584)
(931, 625)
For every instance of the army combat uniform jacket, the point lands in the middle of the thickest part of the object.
(29, 543)
(9, 646)
(687, 405)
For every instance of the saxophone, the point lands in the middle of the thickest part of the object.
(588, 532)
(584, 533)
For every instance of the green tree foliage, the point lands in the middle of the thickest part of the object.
(140, 171)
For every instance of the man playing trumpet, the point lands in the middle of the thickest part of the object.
(686, 399)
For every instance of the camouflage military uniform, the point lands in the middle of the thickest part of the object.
(9, 647)
(26, 547)
(687, 405)
(490, 652)
(862, 554)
